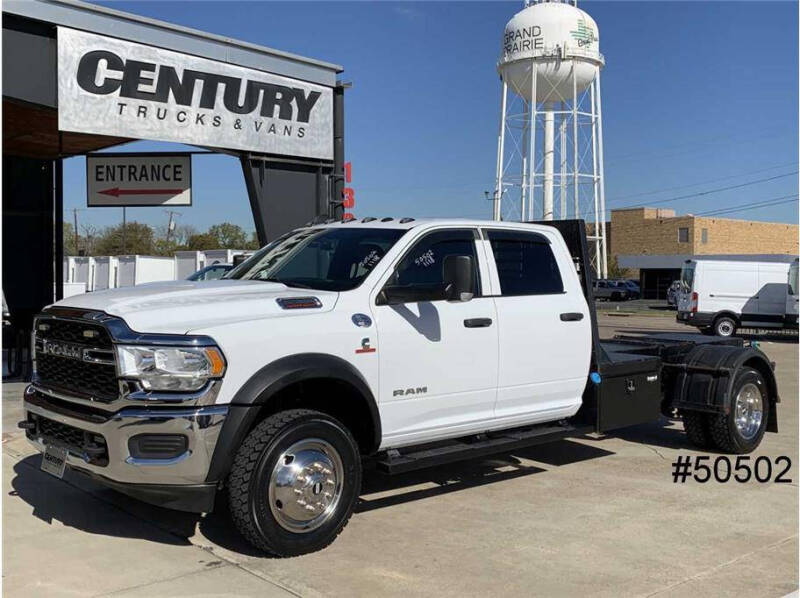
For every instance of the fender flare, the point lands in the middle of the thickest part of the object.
(705, 382)
(267, 382)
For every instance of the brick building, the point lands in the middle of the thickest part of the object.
(653, 243)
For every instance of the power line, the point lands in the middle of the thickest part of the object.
(750, 205)
(715, 180)
(711, 191)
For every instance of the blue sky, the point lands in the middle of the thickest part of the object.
(696, 96)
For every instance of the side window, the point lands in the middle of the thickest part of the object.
(525, 263)
(424, 264)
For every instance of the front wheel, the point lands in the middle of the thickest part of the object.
(294, 482)
(742, 428)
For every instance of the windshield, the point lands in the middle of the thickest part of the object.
(687, 278)
(793, 279)
(331, 259)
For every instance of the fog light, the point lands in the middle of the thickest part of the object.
(157, 446)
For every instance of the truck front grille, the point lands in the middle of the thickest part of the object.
(96, 379)
(87, 367)
(72, 331)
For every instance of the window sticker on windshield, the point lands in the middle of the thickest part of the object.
(426, 259)
(370, 259)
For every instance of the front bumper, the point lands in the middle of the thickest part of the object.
(178, 482)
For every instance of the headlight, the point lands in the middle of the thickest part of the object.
(170, 368)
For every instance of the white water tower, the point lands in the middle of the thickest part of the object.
(551, 131)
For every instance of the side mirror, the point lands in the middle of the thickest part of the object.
(459, 277)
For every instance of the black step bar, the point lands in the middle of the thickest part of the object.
(394, 461)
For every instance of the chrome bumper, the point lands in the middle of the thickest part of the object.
(201, 425)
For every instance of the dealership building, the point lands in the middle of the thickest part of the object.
(653, 243)
(78, 78)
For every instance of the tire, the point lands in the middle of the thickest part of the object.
(724, 326)
(744, 438)
(307, 451)
(615, 297)
(696, 426)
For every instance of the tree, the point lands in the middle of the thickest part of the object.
(87, 241)
(69, 239)
(228, 236)
(199, 242)
(138, 239)
(614, 269)
(253, 242)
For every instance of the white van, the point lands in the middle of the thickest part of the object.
(792, 296)
(720, 296)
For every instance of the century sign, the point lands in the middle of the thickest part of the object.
(119, 88)
(138, 180)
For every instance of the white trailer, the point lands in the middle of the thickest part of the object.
(188, 262)
(84, 271)
(106, 272)
(70, 289)
(222, 256)
(68, 274)
(721, 296)
(138, 269)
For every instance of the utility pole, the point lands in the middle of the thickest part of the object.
(170, 225)
(124, 249)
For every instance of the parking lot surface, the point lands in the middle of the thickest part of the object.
(590, 516)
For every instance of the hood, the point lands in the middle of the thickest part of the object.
(179, 306)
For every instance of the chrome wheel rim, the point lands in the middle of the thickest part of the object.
(749, 410)
(725, 328)
(306, 485)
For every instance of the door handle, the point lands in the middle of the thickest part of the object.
(477, 322)
(574, 316)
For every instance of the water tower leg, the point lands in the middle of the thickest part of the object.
(498, 191)
(562, 155)
(532, 152)
(575, 181)
(603, 238)
(526, 123)
(548, 159)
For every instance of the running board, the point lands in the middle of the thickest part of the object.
(475, 446)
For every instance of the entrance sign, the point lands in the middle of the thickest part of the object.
(126, 180)
(114, 87)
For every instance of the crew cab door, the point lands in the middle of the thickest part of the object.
(438, 358)
(544, 328)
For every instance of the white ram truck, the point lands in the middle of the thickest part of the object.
(403, 343)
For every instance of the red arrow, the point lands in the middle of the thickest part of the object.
(116, 192)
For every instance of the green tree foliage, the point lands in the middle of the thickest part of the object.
(228, 236)
(69, 239)
(202, 241)
(138, 239)
(253, 242)
(614, 269)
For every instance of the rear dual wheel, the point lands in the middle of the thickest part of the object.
(740, 430)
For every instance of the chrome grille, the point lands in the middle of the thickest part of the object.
(87, 369)
(72, 331)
